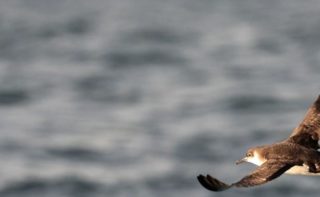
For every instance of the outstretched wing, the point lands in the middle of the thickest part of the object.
(263, 174)
(266, 172)
(307, 133)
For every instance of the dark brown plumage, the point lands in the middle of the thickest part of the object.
(297, 153)
(308, 132)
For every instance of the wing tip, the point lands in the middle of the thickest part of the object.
(317, 102)
(211, 183)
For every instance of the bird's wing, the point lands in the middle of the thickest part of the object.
(268, 171)
(307, 133)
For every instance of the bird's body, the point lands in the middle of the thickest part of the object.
(296, 155)
(290, 152)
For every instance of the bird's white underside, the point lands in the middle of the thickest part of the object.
(301, 170)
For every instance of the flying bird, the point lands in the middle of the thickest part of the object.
(298, 154)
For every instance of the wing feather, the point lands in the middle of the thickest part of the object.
(263, 174)
(266, 172)
(308, 132)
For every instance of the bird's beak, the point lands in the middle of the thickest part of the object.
(241, 160)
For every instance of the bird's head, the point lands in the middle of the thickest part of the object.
(253, 155)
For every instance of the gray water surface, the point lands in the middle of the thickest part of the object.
(136, 98)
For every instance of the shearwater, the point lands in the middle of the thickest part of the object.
(298, 154)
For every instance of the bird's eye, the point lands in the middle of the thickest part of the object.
(249, 155)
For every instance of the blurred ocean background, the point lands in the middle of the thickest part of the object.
(135, 98)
